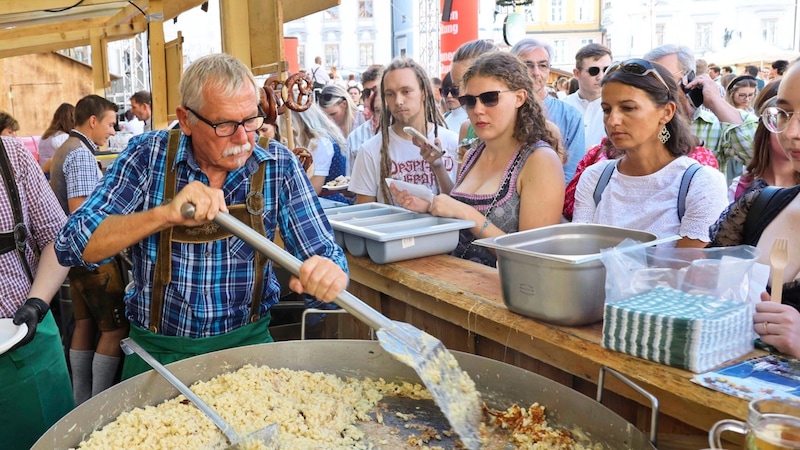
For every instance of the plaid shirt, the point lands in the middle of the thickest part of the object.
(728, 142)
(212, 282)
(41, 213)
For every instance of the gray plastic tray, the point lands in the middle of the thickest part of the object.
(389, 233)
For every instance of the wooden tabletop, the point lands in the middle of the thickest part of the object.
(469, 295)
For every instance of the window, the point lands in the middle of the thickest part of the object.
(556, 11)
(560, 48)
(531, 13)
(769, 30)
(365, 54)
(702, 36)
(659, 34)
(331, 13)
(332, 54)
(301, 53)
(585, 11)
(365, 8)
(586, 41)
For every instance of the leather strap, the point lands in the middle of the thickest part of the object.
(20, 232)
(249, 213)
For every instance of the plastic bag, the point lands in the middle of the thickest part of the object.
(723, 272)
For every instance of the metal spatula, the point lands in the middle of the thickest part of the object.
(265, 434)
(435, 365)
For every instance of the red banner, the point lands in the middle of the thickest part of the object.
(462, 27)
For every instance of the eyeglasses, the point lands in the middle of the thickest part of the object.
(594, 70)
(640, 67)
(776, 119)
(744, 96)
(543, 66)
(451, 90)
(229, 127)
(488, 99)
(326, 98)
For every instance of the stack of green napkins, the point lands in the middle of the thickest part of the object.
(693, 332)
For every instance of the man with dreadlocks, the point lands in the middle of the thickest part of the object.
(407, 100)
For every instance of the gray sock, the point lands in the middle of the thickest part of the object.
(104, 368)
(81, 363)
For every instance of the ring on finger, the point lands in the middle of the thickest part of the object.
(766, 330)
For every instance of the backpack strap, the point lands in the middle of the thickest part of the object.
(684, 189)
(603, 181)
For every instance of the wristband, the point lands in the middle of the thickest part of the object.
(41, 306)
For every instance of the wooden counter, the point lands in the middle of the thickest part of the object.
(460, 302)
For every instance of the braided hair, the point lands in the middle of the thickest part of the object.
(432, 114)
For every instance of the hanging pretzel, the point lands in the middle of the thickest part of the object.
(305, 92)
(268, 104)
(306, 160)
(274, 83)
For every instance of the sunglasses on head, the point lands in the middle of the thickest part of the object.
(640, 67)
(594, 70)
(488, 99)
(447, 91)
(326, 98)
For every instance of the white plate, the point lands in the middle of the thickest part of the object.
(416, 190)
(10, 334)
(340, 187)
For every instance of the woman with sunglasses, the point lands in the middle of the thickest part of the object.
(314, 131)
(646, 125)
(338, 105)
(759, 217)
(513, 180)
(742, 92)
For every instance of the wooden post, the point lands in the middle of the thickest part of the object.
(100, 76)
(235, 26)
(158, 64)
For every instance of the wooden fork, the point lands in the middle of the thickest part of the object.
(778, 258)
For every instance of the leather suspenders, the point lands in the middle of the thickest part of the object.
(18, 238)
(249, 213)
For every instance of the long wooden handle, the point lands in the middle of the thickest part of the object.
(346, 300)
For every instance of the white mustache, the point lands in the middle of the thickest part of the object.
(236, 149)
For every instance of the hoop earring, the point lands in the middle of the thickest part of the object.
(664, 135)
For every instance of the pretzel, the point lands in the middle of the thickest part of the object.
(306, 160)
(305, 92)
(268, 104)
(274, 83)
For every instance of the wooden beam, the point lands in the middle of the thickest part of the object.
(50, 29)
(158, 68)
(173, 8)
(266, 34)
(234, 16)
(23, 6)
(128, 14)
(48, 42)
(296, 9)
(100, 77)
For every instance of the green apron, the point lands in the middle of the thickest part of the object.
(35, 391)
(167, 349)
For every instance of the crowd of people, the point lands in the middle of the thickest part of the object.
(656, 143)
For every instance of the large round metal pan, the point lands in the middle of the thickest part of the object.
(500, 384)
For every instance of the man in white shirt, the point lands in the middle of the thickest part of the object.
(142, 108)
(407, 95)
(318, 73)
(591, 62)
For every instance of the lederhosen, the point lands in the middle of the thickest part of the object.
(36, 390)
(173, 348)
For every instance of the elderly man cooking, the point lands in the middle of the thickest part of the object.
(196, 288)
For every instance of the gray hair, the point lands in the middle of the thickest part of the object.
(472, 49)
(684, 54)
(219, 71)
(530, 44)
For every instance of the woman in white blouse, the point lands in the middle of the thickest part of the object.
(644, 122)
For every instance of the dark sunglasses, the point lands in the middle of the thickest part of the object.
(365, 93)
(451, 90)
(640, 67)
(488, 99)
(594, 70)
(326, 98)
